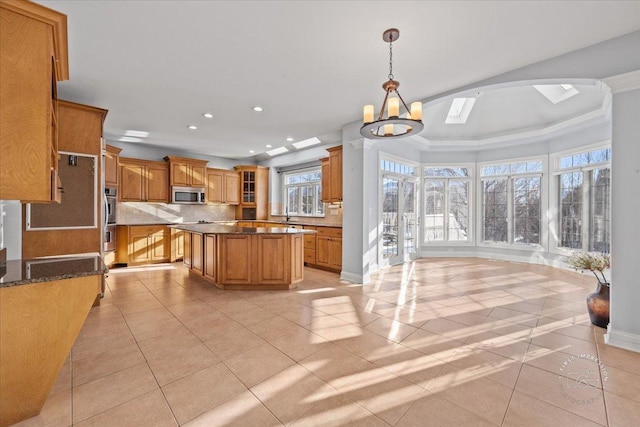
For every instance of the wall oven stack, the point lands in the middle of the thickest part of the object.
(110, 195)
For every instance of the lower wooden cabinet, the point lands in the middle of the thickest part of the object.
(210, 257)
(177, 245)
(197, 252)
(186, 259)
(328, 248)
(143, 244)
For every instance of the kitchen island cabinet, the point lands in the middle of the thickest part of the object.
(245, 258)
(43, 305)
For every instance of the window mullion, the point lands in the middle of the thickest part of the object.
(510, 209)
(586, 209)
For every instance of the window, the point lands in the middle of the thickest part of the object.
(511, 202)
(446, 196)
(584, 189)
(303, 192)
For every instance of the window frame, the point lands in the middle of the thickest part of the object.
(511, 176)
(555, 193)
(471, 168)
(317, 189)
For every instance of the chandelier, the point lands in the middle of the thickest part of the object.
(393, 126)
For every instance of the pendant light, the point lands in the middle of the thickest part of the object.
(393, 126)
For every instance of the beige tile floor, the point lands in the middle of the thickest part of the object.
(436, 342)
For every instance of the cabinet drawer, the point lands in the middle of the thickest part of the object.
(310, 256)
(147, 229)
(330, 232)
(309, 242)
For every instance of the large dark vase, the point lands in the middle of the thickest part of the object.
(598, 305)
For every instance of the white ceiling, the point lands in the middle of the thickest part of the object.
(158, 65)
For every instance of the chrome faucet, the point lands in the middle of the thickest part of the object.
(287, 213)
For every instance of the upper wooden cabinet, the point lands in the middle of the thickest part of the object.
(111, 161)
(332, 175)
(223, 186)
(32, 59)
(254, 192)
(185, 172)
(143, 181)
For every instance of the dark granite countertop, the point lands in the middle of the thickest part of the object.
(234, 221)
(27, 271)
(229, 229)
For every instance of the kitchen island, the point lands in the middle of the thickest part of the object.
(245, 257)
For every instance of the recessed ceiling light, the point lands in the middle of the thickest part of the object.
(306, 143)
(136, 133)
(129, 139)
(460, 110)
(268, 145)
(257, 108)
(252, 151)
(289, 139)
(276, 151)
(192, 127)
(207, 115)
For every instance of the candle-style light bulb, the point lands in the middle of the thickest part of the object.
(393, 107)
(367, 114)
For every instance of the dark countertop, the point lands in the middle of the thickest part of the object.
(27, 271)
(229, 229)
(235, 221)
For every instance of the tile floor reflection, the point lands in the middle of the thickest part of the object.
(445, 341)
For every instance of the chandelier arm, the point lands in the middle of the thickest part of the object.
(403, 103)
(384, 105)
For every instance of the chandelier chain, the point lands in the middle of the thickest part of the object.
(390, 58)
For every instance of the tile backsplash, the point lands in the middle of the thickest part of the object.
(136, 213)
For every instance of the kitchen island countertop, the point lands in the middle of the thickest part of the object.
(28, 271)
(230, 229)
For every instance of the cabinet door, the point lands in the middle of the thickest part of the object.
(214, 187)
(111, 169)
(198, 175)
(232, 188)
(177, 245)
(235, 259)
(157, 183)
(159, 246)
(272, 262)
(210, 261)
(326, 181)
(139, 252)
(197, 253)
(335, 254)
(132, 182)
(322, 251)
(180, 174)
(187, 249)
(336, 174)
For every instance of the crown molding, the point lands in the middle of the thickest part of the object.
(624, 82)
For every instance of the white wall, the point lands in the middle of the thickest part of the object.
(624, 329)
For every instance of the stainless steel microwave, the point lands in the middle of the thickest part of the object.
(188, 195)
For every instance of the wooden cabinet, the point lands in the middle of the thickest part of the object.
(33, 59)
(143, 244)
(210, 258)
(310, 246)
(223, 186)
(197, 253)
(186, 260)
(185, 172)
(254, 192)
(80, 133)
(332, 175)
(143, 181)
(111, 156)
(329, 248)
(236, 259)
(177, 245)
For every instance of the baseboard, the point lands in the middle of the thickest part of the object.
(621, 339)
(355, 278)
